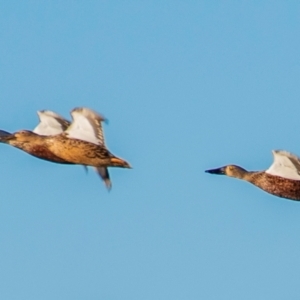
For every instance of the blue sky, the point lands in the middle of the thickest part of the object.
(186, 86)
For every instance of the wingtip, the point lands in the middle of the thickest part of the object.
(281, 152)
(89, 112)
(108, 185)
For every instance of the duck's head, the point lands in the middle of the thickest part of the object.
(229, 170)
(22, 136)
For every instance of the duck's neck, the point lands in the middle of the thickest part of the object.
(250, 176)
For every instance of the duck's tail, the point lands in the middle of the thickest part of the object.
(118, 162)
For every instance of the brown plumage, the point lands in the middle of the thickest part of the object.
(275, 185)
(33, 145)
(62, 149)
(82, 152)
(39, 151)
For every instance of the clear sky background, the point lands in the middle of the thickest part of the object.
(186, 86)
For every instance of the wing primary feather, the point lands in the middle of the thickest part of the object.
(104, 174)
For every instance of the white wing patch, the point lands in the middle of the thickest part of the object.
(86, 126)
(285, 165)
(50, 123)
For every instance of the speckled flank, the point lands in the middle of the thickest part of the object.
(278, 186)
(33, 145)
(82, 152)
(43, 153)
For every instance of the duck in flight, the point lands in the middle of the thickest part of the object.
(57, 140)
(282, 179)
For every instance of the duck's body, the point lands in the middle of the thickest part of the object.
(282, 179)
(59, 148)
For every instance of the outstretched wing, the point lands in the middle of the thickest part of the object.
(285, 165)
(50, 123)
(87, 126)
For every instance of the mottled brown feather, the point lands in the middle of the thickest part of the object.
(35, 147)
(78, 151)
(44, 153)
(61, 149)
(82, 152)
(275, 185)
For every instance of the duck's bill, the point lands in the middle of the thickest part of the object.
(4, 135)
(218, 171)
